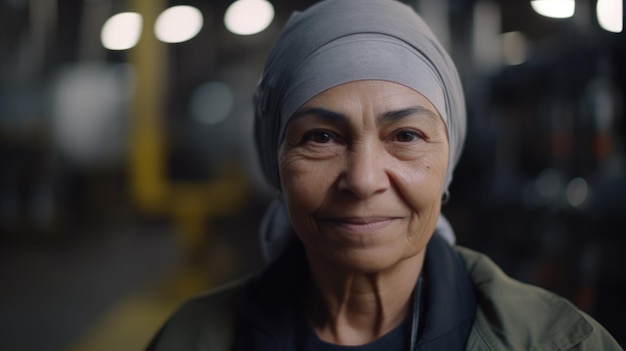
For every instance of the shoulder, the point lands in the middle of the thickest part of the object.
(514, 315)
(204, 322)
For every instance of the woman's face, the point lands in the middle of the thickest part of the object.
(362, 167)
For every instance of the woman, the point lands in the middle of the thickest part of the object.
(360, 122)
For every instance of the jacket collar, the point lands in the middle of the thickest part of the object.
(516, 316)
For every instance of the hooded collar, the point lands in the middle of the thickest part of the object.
(449, 302)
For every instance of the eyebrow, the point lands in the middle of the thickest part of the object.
(320, 112)
(388, 116)
(391, 116)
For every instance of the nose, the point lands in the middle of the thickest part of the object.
(365, 173)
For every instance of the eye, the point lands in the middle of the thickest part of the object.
(319, 136)
(407, 136)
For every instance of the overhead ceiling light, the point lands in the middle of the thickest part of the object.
(554, 8)
(246, 17)
(121, 31)
(610, 15)
(178, 24)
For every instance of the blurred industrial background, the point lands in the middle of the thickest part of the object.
(129, 181)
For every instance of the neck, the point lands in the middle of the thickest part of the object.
(351, 308)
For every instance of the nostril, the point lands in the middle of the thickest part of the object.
(364, 175)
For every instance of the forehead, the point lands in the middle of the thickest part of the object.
(375, 96)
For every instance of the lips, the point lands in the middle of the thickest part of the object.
(360, 224)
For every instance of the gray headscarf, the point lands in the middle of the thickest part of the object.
(340, 41)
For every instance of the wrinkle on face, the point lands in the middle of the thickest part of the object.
(364, 167)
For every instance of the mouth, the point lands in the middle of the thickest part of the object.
(360, 224)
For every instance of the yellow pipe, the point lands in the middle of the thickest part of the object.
(189, 204)
(149, 59)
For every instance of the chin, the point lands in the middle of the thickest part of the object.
(368, 261)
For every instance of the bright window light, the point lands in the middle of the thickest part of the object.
(554, 8)
(121, 31)
(246, 17)
(610, 15)
(178, 24)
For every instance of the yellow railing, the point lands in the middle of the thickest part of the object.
(190, 204)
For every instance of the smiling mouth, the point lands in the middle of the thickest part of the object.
(360, 224)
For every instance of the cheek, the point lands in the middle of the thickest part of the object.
(305, 183)
(420, 185)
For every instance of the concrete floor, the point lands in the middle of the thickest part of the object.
(110, 288)
(53, 293)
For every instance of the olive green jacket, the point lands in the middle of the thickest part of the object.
(516, 316)
(510, 316)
